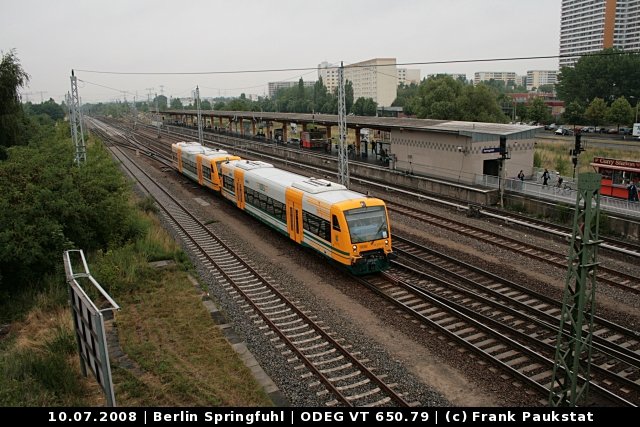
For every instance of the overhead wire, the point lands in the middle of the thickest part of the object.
(311, 70)
(271, 70)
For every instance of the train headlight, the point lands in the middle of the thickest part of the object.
(386, 243)
(355, 248)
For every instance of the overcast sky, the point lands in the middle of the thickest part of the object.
(52, 37)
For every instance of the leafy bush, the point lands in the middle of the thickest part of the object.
(48, 205)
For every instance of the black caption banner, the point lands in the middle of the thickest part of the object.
(318, 416)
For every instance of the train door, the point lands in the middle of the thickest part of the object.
(179, 158)
(238, 178)
(294, 214)
(199, 168)
(340, 240)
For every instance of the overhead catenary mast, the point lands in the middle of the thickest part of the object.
(75, 120)
(200, 134)
(343, 156)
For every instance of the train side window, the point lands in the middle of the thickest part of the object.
(336, 224)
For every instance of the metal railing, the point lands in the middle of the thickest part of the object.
(565, 192)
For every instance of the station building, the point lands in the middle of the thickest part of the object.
(462, 152)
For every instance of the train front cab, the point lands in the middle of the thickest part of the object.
(361, 235)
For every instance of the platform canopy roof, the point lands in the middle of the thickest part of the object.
(475, 130)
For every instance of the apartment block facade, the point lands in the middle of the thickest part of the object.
(537, 78)
(376, 78)
(485, 76)
(588, 26)
(407, 76)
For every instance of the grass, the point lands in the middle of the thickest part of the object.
(186, 360)
(180, 358)
(39, 365)
(555, 156)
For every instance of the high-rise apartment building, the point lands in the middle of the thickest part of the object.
(376, 78)
(589, 26)
(537, 78)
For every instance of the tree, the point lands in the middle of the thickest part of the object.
(50, 108)
(550, 88)
(348, 95)
(176, 104)
(539, 112)
(12, 78)
(438, 99)
(405, 96)
(49, 205)
(480, 104)
(620, 112)
(205, 105)
(365, 107)
(162, 102)
(573, 113)
(609, 73)
(596, 112)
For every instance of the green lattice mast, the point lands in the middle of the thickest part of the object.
(570, 381)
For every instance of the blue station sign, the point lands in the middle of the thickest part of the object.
(491, 150)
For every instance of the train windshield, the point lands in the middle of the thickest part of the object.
(367, 224)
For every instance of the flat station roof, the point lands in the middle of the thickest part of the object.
(474, 130)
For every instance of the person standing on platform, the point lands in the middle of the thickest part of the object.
(545, 177)
(521, 175)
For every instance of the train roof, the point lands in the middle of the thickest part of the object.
(318, 188)
(192, 147)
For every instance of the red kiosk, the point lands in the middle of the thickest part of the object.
(616, 175)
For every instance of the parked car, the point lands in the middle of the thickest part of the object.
(588, 129)
(625, 131)
(552, 126)
(564, 131)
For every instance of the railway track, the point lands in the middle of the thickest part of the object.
(501, 323)
(494, 336)
(605, 275)
(609, 243)
(612, 339)
(615, 349)
(334, 369)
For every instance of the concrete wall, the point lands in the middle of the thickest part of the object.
(615, 225)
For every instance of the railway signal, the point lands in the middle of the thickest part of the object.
(575, 152)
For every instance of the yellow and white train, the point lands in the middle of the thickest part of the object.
(343, 225)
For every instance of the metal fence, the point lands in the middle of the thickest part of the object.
(566, 192)
(88, 322)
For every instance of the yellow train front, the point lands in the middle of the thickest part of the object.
(343, 225)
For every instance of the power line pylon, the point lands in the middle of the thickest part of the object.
(200, 134)
(75, 119)
(570, 383)
(343, 154)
